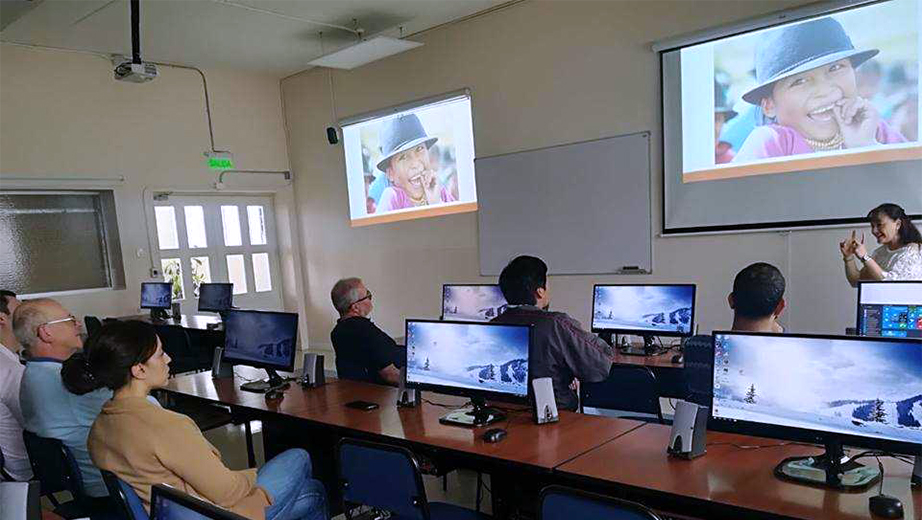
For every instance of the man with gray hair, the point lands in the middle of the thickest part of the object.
(363, 351)
(50, 334)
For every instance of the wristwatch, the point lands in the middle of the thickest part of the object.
(865, 259)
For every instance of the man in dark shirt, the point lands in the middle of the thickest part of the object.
(562, 350)
(363, 351)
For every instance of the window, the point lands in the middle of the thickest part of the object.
(57, 241)
(218, 238)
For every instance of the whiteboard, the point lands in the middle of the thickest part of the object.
(584, 208)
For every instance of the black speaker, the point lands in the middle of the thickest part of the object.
(917, 472)
(332, 135)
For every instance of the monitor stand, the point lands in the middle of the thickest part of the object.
(828, 470)
(275, 382)
(478, 415)
(648, 348)
(157, 315)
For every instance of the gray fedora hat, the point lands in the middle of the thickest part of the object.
(401, 134)
(798, 48)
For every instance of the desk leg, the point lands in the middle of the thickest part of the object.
(251, 453)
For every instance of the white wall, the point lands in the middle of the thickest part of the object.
(541, 73)
(63, 115)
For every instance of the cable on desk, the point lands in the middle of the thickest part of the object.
(444, 405)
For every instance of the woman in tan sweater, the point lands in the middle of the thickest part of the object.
(145, 445)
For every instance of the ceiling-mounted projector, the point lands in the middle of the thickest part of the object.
(125, 70)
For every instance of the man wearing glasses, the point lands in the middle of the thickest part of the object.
(50, 334)
(363, 351)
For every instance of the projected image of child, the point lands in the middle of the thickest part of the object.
(807, 90)
(408, 167)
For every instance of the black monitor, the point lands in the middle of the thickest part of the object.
(477, 360)
(646, 310)
(158, 297)
(890, 309)
(472, 302)
(829, 390)
(167, 503)
(261, 339)
(215, 297)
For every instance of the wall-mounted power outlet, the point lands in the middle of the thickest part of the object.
(155, 273)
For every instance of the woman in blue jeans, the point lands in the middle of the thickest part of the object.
(143, 444)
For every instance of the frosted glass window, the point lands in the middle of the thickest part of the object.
(195, 227)
(166, 227)
(257, 225)
(172, 272)
(261, 277)
(236, 273)
(230, 217)
(201, 272)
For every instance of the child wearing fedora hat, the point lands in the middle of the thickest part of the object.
(808, 94)
(406, 163)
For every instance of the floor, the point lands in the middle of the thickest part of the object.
(462, 484)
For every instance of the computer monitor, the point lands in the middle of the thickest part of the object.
(890, 309)
(261, 339)
(476, 360)
(646, 310)
(830, 390)
(215, 297)
(472, 302)
(158, 297)
(167, 503)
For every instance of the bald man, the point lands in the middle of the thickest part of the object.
(50, 334)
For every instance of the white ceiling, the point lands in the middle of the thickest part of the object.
(215, 33)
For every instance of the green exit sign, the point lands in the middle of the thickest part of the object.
(220, 163)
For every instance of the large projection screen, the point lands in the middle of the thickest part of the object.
(796, 120)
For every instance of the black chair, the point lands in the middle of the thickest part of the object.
(630, 389)
(92, 325)
(401, 493)
(124, 496)
(177, 345)
(56, 470)
(560, 503)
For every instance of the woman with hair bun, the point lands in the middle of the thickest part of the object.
(144, 444)
(899, 256)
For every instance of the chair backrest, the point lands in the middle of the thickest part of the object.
(401, 491)
(178, 346)
(699, 367)
(124, 496)
(560, 503)
(627, 388)
(53, 465)
(92, 325)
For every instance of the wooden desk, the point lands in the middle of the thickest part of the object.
(727, 482)
(188, 321)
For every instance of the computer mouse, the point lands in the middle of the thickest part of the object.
(494, 435)
(273, 395)
(886, 506)
(677, 359)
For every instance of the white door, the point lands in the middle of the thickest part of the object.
(219, 238)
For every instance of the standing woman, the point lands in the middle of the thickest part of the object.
(899, 256)
(143, 444)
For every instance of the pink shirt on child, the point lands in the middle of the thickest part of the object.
(781, 141)
(396, 198)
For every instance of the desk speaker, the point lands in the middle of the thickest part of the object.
(406, 397)
(917, 472)
(219, 367)
(545, 410)
(689, 429)
(312, 376)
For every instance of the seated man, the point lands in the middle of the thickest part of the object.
(363, 351)
(562, 350)
(49, 335)
(757, 299)
(15, 459)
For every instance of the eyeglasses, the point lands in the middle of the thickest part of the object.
(62, 320)
(366, 297)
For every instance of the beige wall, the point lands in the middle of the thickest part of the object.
(541, 73)
(63, 115)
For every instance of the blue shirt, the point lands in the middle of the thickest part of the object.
(49, 410)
